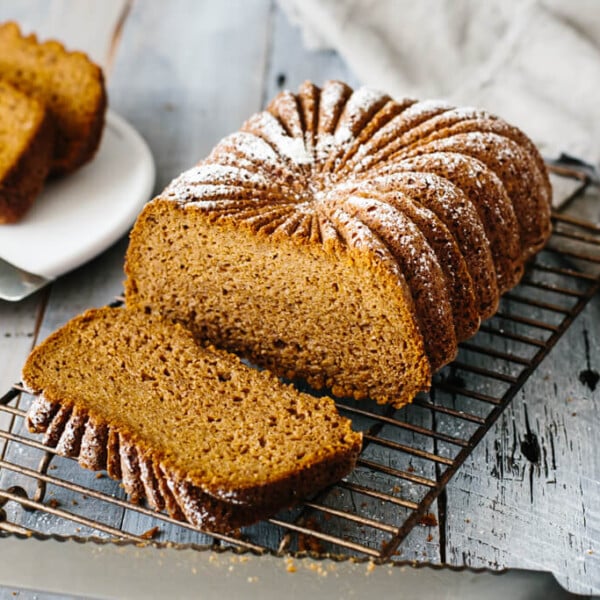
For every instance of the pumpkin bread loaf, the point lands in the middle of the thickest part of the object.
(67, 83)
(26, 143)
(189, 427)
(345, 238)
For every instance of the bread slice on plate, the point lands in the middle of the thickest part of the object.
(26, 143)
(68, 83)
(189, 427)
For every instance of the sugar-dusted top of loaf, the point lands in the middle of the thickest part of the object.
(315, 149)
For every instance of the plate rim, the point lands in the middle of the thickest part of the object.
(124, 130)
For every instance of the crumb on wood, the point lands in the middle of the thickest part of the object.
(430, 538)
(396, 489)
(410, 469)
(74, 502)
(151, 533)
(428, 520)
(289, 565)
(370, 567)
(53, 503)
(99, 475)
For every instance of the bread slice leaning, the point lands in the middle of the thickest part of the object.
(189, 427)
(69, 84)
(26, 142)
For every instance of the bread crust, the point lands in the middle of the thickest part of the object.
(24, 179)
(76, 433)
(69, 84)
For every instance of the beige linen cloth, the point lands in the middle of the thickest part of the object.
(534, 62)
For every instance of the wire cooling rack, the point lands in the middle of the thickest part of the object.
(408, 455)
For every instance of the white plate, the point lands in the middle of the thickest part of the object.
(79, 216)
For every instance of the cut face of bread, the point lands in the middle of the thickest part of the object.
(345, 238)
(26, 142)
(189, 427)
(304, 311)
(67, 83)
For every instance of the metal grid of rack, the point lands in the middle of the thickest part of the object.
(408, 455)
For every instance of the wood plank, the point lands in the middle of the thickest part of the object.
(290, 63)
(85, 25)
(17, 331)
(514, 506)
(187, 76)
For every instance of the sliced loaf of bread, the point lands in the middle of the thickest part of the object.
(189, 427)
(68, 83)
(26, 142)
(345, 238)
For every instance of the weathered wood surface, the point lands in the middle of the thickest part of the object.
(188, 74)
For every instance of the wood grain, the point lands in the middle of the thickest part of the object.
(507, 510)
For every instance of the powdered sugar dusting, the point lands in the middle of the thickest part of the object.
(292, 148)
(250, 146)
(359, 103)
(331, 102)
(208, 173)
(41, 412)
(426, 108)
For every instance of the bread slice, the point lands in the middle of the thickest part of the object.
(26, 142)
(68, 83)
(189, 427)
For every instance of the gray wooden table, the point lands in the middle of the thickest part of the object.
(185, 74)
